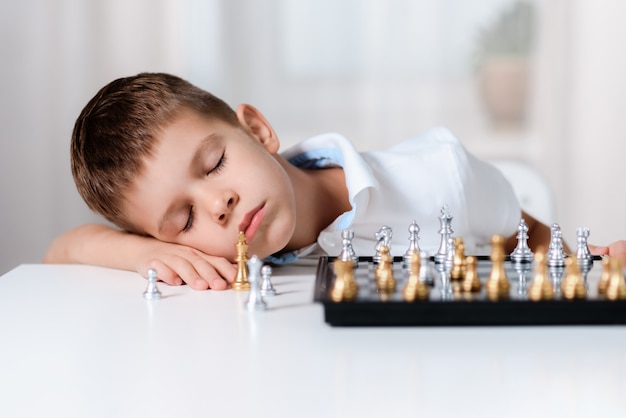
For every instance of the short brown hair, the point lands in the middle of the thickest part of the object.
(117, 129)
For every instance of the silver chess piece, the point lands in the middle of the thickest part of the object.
(347, 250)
(152, 291)
(445, 230)
(556, 256)
(255, 300)
(522, 253)
(414, 238)
(383, 239)
(267, 289)
(426, 272)
(583, 255)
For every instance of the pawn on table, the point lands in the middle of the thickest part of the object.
(497, 284)
(255, 300)
(414, 238)
(152, 291)
(267, 289)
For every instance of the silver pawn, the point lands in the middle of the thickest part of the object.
(445, 230)
(556, 256)
(266, 283)
(255, 300)
(152, 291)
(426, 273)
(383, 239)
(521, 253)
(347, 251)
(583, 255)
(414, 238)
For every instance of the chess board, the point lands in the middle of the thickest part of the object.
(449, 306)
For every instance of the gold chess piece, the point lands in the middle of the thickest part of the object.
(573, 284)
(606, 275)
(345, 287)
(241, 279)
(415, 288)
(541, 287)
(384, 272)
(459, 267)
(616, 289)
(471, 282)
(497, 284)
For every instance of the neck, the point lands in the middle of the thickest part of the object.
(321, 196)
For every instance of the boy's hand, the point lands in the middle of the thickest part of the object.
(177, 264)
(616, 250)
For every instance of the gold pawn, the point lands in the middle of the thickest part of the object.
(616, 289)
(541, 287)
(384, 272)
(471, 283)
(606, 275)
(573, 285)
(459, 267)
(415, 288)
(241, 279)
(497, 284)
(345, 287)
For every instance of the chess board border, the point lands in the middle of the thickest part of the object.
(460, 312)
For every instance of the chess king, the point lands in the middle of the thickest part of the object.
(180, 173)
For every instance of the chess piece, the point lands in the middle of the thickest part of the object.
(556, 256)
(347, 250)
(414, 231)
(583, 255)
(605, 276)
(384, 272)
(449, 261)
(383, 239)
(522, 270)
(255, 300)
(459, 267)
(471, 281)
(415, 288)
(152, 291)
(522, 253)
(267, 289)
(241, 279)
(616, 288)
(445, 231)
(541, 287)
(497, 284)
(426, 273)
(573, 285)
(345, 287)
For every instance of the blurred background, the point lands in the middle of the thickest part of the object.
(534, 82)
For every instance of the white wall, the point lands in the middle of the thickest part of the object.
(56, 54)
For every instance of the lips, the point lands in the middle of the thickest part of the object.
(251, 222)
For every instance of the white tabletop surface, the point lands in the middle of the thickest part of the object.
(79, 341)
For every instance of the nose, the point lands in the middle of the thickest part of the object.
(222, 205)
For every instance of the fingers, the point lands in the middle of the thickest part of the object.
(200, 272)
(598, 250)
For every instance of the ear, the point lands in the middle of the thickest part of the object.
(256, 125)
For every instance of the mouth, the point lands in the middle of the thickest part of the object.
(251, 222)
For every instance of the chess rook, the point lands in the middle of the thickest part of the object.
(583, 255)
(347, 250)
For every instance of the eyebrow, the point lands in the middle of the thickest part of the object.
(195, 162)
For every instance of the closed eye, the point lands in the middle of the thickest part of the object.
(190, 219)
(219, 166)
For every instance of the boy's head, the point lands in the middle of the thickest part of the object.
(118, 128)
(157, 156)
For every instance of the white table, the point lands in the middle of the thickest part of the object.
(79, 341)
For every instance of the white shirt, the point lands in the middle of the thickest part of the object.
(411, 181)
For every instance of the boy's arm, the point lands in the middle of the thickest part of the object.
(104, 246)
